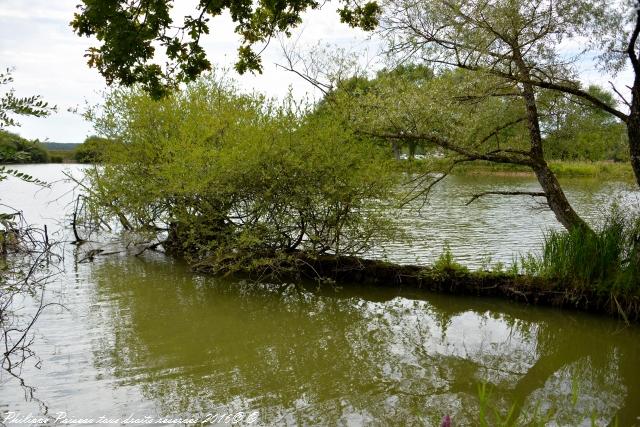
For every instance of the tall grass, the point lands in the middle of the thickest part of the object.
(607, 259)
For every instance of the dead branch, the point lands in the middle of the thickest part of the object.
(506, 193)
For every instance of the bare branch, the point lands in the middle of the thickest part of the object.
(626, 102)
(413, 194)
(506, 193)
(497, 156)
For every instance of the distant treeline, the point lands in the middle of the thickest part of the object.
(16, 149)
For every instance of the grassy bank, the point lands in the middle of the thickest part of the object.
(564, 169)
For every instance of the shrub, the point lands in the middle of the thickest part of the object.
(232, 178)
(447, 263)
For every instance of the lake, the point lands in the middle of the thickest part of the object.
(139, 337)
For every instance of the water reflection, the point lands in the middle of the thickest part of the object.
(352, 355)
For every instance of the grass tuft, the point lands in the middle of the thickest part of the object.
(607, 259)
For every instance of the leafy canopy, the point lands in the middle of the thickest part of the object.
(130, 31)
(437, 108)
(575, 131)
(15, 149)
(91, 150)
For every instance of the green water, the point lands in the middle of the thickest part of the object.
(144, 336)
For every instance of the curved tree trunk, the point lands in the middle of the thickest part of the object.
(556, 198)
(633, 128)
(633, 120)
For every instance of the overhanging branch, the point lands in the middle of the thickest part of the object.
(515, 157)
(506, 193)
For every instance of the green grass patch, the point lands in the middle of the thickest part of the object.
(609, 170)
(563, 169)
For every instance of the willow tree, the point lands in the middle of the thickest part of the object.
(481, 35)
(516, 41)
(236, 181)
(521, 41)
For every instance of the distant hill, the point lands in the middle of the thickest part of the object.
(60, 146)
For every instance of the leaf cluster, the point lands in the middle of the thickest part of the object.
(134, 33)
(10, 104)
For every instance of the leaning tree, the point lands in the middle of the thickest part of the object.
(537, 44)
(516, 41)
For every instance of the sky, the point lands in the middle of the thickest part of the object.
(48, 59)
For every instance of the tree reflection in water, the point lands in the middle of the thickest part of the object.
(197, 345)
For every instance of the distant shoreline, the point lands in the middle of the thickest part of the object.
(606, 170)
(563, 169)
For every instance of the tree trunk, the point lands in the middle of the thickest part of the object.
(412, 149)
(395, 146)
(556, 198)
(633, 128)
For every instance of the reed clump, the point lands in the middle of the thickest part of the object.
(606, 259)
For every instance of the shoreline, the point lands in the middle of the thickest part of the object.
(615, 171)
(519, 288)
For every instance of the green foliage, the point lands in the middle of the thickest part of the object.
(412, 105)
(603, 170)
(27, 106)
(350, 93)
(129, 33)
(575, 131)
(607, 259)
(5, 173)
(14, 149)
(233, 177)
(456, 106)
(61, 156)
(91, 150)
(446, 262)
